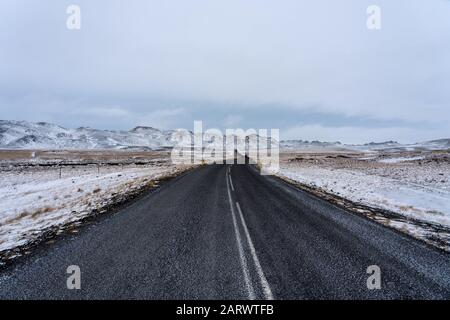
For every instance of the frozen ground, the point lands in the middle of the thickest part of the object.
(400, 159)
(36, 199)
(413, 185)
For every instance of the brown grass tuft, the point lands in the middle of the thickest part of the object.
(40, 211)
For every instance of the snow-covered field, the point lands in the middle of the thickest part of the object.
(415, 186)
(36, 199)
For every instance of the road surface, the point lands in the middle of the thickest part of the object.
(226, 232)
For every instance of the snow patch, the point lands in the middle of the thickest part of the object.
(400, 159)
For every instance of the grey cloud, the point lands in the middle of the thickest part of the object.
(170, 62)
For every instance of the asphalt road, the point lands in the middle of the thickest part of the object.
(205, 235)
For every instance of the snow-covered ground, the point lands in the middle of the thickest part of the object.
(414, 186)
(400, 159)
(36, 199)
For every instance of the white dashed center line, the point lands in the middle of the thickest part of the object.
(262, 278)
(248, 283)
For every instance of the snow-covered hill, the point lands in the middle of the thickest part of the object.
(41, 135)
(387, 146)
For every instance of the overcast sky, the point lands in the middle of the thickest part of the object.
(310, 68)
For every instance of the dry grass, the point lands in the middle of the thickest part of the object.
(84, 155)
(105, 155)
(25, 214)
(20, 216)
(15, 154)
(40, 211)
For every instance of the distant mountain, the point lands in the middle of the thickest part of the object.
(300, 144)
(438, 143)
(441, 144)
(385, 143)
(42, 135)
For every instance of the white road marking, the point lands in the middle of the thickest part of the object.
(231, 182)
(248, 283)
(264, 284)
